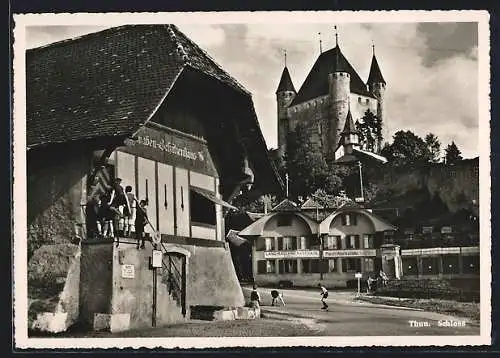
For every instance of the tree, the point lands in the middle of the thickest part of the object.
(370, 131)
(453, 154)
(433, 148)
(407, 148)
(306, 166)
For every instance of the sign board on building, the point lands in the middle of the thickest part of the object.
(128, 271)
(171, 147)
(291, 254)
(409, 231)
(440, 251)
(157, 258)
(427, 229)
(350, 253)
(446, 230)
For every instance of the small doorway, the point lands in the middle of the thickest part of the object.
(174, 275)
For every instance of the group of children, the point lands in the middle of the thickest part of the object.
(117, 213)
(278, 296)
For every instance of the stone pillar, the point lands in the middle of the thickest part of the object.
(339, 265)
(440, 265)
(460, 263)
(420, 266)
(276, 243)
(299, 266)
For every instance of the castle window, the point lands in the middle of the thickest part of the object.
(359, 99)
(367, 101)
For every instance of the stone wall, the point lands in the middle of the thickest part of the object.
(56, 195)
(110, 297)
(212, 278)
(56, 191)
(96, 280)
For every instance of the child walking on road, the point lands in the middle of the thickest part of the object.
(276, 295)
(324, 296)
(255, 296)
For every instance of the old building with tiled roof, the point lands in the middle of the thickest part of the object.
(331, 89)
(145, 104)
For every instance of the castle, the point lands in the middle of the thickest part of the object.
(331, 92)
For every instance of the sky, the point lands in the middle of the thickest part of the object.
(431, 68)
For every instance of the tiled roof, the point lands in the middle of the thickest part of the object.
(286, 83)
(107, 83)
(375, 73)
(285, 205)
(316, 83)
(361, 155)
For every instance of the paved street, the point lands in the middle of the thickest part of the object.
(348, 317)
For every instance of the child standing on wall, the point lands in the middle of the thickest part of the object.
(141, 219)
(130, 212)
(118, 202)
(106, 217)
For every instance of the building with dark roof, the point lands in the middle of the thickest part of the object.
(331, 89)
(145, 104)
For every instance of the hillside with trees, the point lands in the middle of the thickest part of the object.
(421, 183)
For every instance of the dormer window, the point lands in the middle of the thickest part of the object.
(349, 219)
(284, 220)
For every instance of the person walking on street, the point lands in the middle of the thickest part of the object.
(324, 296)
(255, 296)
(276, 295)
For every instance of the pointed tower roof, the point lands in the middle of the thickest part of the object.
(375, 73)
(316, 82)
(349, 126)
(286, 83)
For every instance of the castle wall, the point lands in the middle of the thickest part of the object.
(317, 113)
(360, 104)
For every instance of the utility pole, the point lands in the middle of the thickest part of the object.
(286, 179)
(361, 181)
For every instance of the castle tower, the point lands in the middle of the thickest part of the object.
(339, 88)
(284, 96)
(376, 85)
(349, 137)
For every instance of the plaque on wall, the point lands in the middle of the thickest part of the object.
(128, 271)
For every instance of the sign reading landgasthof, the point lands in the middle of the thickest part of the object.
(349, 253)
(292, 254)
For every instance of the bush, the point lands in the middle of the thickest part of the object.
(427, 288)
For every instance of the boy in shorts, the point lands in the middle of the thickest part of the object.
(141, 219)
(130, 212)
(324, 296)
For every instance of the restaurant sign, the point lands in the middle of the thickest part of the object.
(350, 253)
(292, 254)
(171, 147)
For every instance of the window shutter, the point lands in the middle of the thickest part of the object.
(354, 219)
(343, 217)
